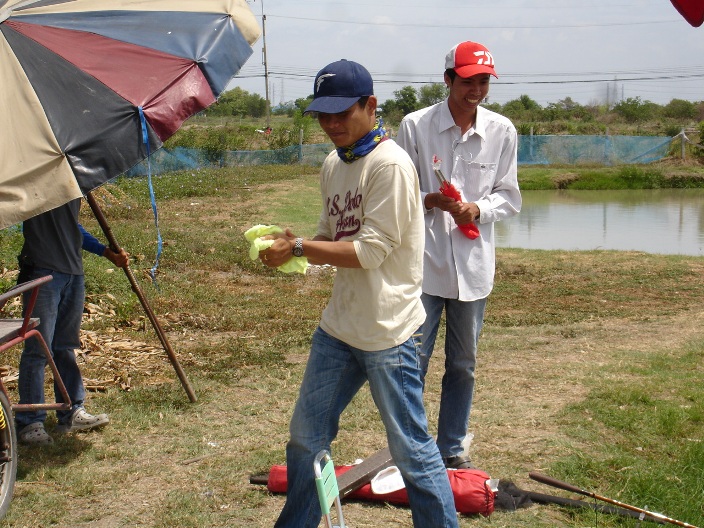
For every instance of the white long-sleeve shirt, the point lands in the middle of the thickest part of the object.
(375, 203)
(482, 165)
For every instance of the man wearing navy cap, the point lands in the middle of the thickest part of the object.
(371, 229)
(476, 150)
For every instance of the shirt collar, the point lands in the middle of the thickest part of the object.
(446, 121)
(480, 122)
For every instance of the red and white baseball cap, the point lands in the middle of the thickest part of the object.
(470, 58)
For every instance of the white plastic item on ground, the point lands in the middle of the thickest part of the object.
(387, 481)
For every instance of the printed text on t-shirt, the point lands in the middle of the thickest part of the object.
(347, 223)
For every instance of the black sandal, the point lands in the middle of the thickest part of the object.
(458, 462)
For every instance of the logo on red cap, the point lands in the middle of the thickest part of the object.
(470, 58)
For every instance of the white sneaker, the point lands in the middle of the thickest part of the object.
(34, 434)
(80, 420)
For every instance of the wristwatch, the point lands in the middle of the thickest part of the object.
(298, 248)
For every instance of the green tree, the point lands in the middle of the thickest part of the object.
(523, 108)
(230, 103)
(635, 110)
(407, 99)
(404, 102)
(286, 109)
(239, 102)
(568, 104)
(494, 107)
(390, 111)
(430, 94)
(566, 109)
(700, 112)
(680, 109)
(303, 102)
(529, 104)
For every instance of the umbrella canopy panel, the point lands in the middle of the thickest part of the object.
(691, 10)
(75, 74)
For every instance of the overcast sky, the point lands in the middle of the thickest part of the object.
(549, 50)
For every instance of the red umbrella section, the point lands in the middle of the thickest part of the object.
(92, 87)
(469, 486)
(691, 10)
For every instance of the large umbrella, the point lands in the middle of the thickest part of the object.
(89, 88)
(75, 74)
(691, 10)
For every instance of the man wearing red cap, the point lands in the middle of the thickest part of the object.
(476, 150)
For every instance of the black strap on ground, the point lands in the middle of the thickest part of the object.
(510, 498)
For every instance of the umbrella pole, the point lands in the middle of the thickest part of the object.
(97, 211)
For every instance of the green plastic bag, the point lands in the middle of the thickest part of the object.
(254, 236)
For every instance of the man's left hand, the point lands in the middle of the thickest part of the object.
(468, 212)
(280, 251)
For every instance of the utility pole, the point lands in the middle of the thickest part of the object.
(266, 68)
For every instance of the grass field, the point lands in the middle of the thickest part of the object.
(591, 370)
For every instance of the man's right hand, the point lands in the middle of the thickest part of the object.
(445, 203)
(280, 251)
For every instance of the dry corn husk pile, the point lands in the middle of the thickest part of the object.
(107, 358)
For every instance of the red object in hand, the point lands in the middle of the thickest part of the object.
(469, 230)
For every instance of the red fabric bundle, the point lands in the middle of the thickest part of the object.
(469, 486)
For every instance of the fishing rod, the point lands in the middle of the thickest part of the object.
(569, 487)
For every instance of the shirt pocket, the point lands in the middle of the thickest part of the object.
(474, 178)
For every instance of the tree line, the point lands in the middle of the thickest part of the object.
(564, 116)
(216, 131)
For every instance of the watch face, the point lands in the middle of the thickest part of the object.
(298, 248)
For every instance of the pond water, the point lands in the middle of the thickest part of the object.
(666, 221)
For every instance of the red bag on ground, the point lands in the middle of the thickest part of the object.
(469, 487)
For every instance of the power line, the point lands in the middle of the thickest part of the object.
(407, 78)
(445, 25)
(642, 81)
(671, 80)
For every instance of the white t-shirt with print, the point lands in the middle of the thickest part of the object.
(374, 202)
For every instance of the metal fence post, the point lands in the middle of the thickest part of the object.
(300, 145)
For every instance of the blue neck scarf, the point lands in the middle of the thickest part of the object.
(364, 145)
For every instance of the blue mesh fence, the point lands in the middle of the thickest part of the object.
(532, 150)
(604, 150)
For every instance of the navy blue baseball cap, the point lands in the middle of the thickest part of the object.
(338, 86)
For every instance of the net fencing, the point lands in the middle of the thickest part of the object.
(532, 150)
(603, 150)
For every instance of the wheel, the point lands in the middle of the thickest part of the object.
(8, 454)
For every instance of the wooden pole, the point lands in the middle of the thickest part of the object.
(97, 211)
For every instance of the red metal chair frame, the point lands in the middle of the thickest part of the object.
(15, 331)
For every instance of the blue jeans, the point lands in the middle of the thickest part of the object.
(59, 308)
(334, 374)
(464, 322)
